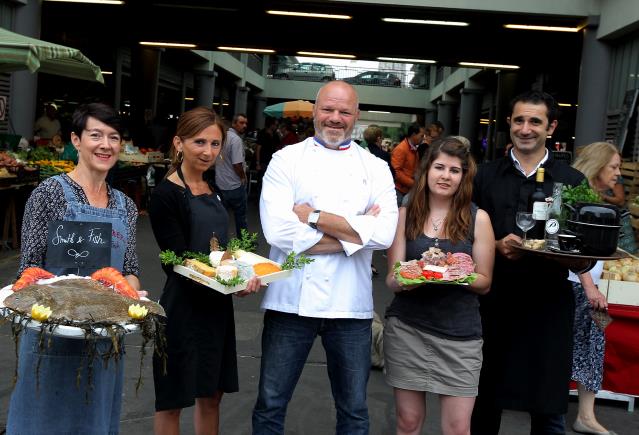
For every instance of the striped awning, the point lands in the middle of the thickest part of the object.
(18, 52)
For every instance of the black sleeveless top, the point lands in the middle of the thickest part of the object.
(444, 310)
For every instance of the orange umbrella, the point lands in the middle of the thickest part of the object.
(290, 109)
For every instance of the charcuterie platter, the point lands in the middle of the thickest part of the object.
(437, 267)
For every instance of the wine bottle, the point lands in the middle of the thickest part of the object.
(553, 223)
(538, 207)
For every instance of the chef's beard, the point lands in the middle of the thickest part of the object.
(333, 140)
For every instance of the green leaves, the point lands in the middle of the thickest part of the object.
(294, 262)
(580, 193)
(169, 258)
(246, 242)
(236, 280)
(199, 256)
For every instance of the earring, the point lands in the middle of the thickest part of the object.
(179, 156)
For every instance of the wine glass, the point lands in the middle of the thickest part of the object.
(525, 221)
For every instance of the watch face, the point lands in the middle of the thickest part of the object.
(313, 217)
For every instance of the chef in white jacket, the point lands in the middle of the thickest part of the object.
(336, 202)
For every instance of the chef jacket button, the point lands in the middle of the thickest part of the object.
(326, 278)
(308, 276)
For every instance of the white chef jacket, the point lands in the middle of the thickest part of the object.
(343, 182)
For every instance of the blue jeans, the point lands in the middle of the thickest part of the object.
(236, 200)
(286, 341)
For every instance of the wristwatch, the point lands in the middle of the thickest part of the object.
(313, 217)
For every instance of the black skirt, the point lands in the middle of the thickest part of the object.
(201, 352)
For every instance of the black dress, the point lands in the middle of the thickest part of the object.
(200, 325)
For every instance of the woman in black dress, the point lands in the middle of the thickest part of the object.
(185, 212)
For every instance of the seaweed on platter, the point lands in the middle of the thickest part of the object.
(151, 327)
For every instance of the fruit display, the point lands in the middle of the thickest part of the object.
(14, 170)
(49, 168)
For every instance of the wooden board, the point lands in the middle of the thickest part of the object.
(620, 292)
(248, 258)
(630, 174)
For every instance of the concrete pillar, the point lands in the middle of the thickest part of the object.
(204, 87)
(430, 116)
(506, 86)
(446, 114)
(469, 111)
(23, 108)
(181, 105)
(593, 87)
(241, 99)
(258, 116)
(117, 75)
(145, 69)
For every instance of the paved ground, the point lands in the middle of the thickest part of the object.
(311, 410)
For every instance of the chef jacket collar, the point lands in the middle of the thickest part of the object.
(341, 147)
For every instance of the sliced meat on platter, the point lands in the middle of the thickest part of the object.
(410, 269)
(452, 266)
(465, 262)
(454, 272)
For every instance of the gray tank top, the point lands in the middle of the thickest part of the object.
(444, 310)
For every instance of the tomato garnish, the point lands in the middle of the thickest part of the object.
(408, 275)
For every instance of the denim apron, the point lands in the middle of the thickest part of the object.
(55, 404)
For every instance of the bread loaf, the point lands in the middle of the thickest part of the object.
(200, 267)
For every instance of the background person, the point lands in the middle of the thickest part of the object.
(404, 158)
(527, 346)
(434, 131)
(54, 403)
(599, 162)
(432, 337)
(47, 126)
(185, 213)
(230, 172)
(267, 143)
(327, 197)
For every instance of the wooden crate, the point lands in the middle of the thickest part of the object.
(630, 173)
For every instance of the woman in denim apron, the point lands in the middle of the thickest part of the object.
(52, 402)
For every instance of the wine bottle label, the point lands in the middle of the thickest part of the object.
(552, 226)
(540, 211)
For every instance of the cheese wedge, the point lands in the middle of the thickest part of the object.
(200, 267)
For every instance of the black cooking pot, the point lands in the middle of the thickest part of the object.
(593, 213)
(596, 239)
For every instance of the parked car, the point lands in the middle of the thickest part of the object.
(375, 78)
(317, 72)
